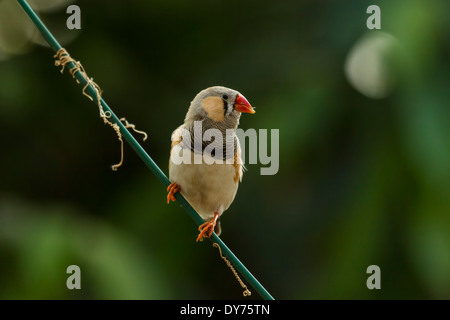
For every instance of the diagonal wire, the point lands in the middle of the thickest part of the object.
(145, 157)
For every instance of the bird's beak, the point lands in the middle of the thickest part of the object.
(241, 104)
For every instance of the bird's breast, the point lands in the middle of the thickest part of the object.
(208, 188)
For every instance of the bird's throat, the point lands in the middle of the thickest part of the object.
(216, 141)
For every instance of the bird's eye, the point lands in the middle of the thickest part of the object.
(225, 97)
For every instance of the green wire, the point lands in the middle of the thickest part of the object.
(145, 157)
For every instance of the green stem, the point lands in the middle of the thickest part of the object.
(145, 157)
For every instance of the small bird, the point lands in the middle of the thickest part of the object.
(209, 185)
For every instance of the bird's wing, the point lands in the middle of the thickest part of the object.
(177, 136)
(238, 163)
(176, 139)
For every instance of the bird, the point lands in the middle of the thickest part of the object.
(210, 183)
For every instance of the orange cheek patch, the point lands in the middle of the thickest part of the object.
(214, 108)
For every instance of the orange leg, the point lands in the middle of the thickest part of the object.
(206, 229)
(172, 189)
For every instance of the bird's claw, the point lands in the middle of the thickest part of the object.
(172, 189)
(206, 231)
(207, 228)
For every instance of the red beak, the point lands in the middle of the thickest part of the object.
(241, 104)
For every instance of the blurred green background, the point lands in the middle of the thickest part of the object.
(364, 124)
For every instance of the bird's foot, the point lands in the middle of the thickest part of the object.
(207, 229)
(172, 189)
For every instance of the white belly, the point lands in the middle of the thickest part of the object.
(209, 188)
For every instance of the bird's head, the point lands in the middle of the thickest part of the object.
(220, 105)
